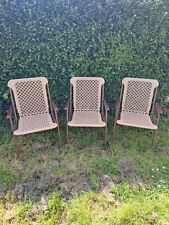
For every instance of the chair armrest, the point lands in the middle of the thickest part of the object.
(106, 106)
(67, 105)
(9, 112)
(54, 106)
(158, 110)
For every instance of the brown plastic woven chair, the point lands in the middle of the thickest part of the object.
(136, 104)
(90, 108)
(31, 101)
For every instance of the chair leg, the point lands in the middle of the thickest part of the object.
(105, 136)
(67, 134)
(18, 144)
(114, 130)
(154, 138)
(59, 136)
(15, 144)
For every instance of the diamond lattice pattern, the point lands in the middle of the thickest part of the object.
(31, 97)
(138, 97)
(87, 95)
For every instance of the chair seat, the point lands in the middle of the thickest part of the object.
(136, 120)
(86, 119)
(35, 123)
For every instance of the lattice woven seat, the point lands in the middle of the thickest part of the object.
(86, 101)
(86, 119)
(136, 120)
(32, 108)
(35, 123)
(137, 102)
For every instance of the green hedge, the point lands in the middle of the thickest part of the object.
(64, 38)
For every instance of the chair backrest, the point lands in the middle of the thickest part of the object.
(87, 93)
(138, 94)
(30, 95)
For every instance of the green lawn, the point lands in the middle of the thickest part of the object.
(85, 183)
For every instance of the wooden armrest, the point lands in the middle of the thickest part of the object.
(54, 105)
(158, 109)
(106, 106)
(9, 112)
(67, 105)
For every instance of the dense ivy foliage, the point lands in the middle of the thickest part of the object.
(64, 38)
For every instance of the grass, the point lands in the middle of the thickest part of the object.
(83, 182)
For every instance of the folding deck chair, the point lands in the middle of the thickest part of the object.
(90, 108)
(136, 105)
(32, 109)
